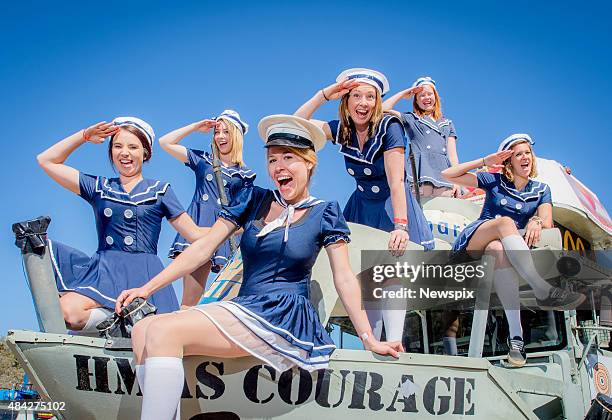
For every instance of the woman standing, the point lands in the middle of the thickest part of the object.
(128, 209)
(272, 317)
(229, 131)
(433, 137)
(514, 201)
(373, 146)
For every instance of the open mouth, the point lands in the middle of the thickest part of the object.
(126, 163)
(362, 113)
(525, 165)
(284, 182)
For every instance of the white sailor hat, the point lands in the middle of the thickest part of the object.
(425, 80)
(234, 117)
(291, 131)
(371, 77)
(511, 140)
(139, 124)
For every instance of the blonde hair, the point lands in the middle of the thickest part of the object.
(237, 140)
(507, 170)
(437, 111)
(308, 155)
(346, 123)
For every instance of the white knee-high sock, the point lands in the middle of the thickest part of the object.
(517, 252)
(140, 376)
(450, 345)
(376, 321)
(393, 318)
(96, 316)
(506, 285)
(164, 379)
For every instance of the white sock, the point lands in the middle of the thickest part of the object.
(506, 285)
(96, 316)
(140, 375)
(517, 252)
(164, 380)
(376, 321)
(450, 345)
(393, 319)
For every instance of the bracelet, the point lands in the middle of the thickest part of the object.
(400, 220)
(400, 226)
(537, 219)
(323, 93)
(483, 163)
(84, 136)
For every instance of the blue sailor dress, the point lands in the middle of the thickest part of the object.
(429, 140)
(274, 299)
(128, 227)
(370, 203)
(206, 203)
(503, 199)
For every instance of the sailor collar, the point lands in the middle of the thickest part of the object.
(230, 171)
(533, 189)
(429, 122)
(111, 189)
(371, 146)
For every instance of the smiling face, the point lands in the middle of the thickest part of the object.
(426, 99)
(522, 161)
(361, 104)
(290, 172)
(223, 138)
(128, 153)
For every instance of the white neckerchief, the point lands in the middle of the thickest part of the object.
(287, 214)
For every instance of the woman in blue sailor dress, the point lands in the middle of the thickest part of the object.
(514, 202)
(229, 131)
(373, 146)
(272, 317)
(128, 212)
(432, 136)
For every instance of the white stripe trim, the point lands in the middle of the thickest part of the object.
(96, 291)
(274, 327)
(118, 200)
(56, 266)
(536, 191)
(377, 141)
(230, 172)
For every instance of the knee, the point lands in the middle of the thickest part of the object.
(139, 331)
(506, 222)
(157, 333)
(496, 248)
(74, 314)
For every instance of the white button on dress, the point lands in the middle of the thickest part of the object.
(205, 197)
(518, 206)
(360, 188)
(367, 171)
(209, 177)
(128, 240)
(375, 188)
(428, 146)
(503, 201)
(108, 212)
(128, 214)
(109, 240)
(350, 171)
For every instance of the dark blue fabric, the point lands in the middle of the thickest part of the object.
(205, 205)
(128, 227)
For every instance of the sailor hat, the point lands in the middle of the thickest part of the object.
(426, 80)
(233, 117)
(371, 77)
(291, 131)
(510, 141)
(139, 124)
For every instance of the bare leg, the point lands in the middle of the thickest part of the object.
(193, 286)
(76, 309)
(139, 336)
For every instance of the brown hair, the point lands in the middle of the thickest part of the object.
(437, 111)
(148, 152)
(346, 122)
(237, 143)
(507, 170)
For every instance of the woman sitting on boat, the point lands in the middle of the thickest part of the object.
(272, 317)
(514, 202)
(229, 131)
(373, 146)
(128, 209)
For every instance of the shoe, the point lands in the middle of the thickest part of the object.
(516, 352)
(560, 300)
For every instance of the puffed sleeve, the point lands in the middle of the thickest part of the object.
(171, 206)
(546, 197)
(195, 160)
(242, 205)
(408, 118)
(394, 135)
(487, 180)
(333, 225)
(87, 186)
(452, 132)
(333, 127)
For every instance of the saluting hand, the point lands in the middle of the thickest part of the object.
(204, 126)
(339, 89)
(410, 92)
(98, 132)
(495, 160)
(128, 296)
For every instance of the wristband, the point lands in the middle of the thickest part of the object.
(401, 226)
(399, 220)
(483, 163)
(84, 136)
(323, 93)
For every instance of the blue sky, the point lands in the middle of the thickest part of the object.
(501, 67)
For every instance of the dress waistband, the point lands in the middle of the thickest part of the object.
(275, 287)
